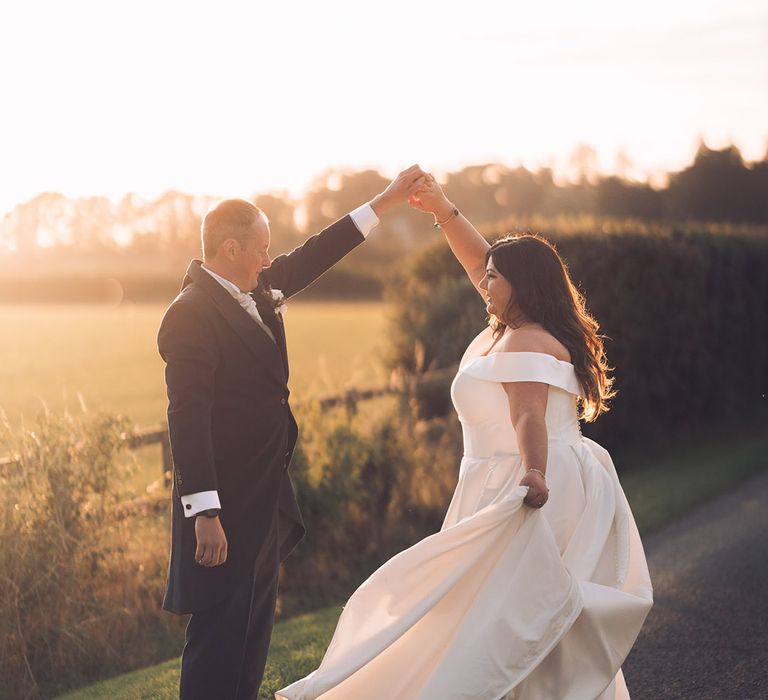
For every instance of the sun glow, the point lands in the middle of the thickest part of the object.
(234, 98)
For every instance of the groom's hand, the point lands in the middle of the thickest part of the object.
(399, 190)
(211, 541)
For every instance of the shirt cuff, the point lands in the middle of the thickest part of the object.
(365, 219)
(202, 500)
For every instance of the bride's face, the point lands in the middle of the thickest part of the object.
(497, 291)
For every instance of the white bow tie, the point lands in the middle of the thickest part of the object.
(248, 303)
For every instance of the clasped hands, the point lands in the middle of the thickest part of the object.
(419, 189)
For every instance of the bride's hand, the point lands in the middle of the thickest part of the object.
(538, 493)
(430, 198)
(399, 190)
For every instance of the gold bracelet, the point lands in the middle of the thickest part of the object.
(439, 224)
(538, 471)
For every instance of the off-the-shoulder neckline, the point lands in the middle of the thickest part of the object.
(519, 352)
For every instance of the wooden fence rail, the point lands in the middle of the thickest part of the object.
(158, 434)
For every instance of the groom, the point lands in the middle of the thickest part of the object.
(235, 516)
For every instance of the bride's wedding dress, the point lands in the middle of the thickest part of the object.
(506, 601)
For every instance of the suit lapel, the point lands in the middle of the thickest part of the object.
(250, 332)
(275, 324)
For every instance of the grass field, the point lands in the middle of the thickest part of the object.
(52, 355)
(106, 358)
(659, 491)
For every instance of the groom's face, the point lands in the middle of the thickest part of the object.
(254, 255)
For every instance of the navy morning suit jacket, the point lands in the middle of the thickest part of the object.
(229, 419)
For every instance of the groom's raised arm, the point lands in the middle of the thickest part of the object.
(296, 270)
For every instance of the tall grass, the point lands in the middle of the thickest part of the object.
(78, 591)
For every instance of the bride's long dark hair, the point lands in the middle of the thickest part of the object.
(544, 293)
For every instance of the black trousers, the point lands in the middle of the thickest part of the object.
(226, 646)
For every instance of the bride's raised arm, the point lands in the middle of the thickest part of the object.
(465, 241)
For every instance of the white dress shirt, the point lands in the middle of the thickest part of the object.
(244, 299)
(366, 220)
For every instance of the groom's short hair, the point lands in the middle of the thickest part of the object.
(232, 218)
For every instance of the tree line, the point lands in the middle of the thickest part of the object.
(719, 185)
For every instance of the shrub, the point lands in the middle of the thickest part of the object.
(368, 488)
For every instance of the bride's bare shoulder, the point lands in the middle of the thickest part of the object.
(533, 338)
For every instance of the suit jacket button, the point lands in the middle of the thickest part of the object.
(283, 401)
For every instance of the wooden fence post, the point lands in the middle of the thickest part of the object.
(350, 403)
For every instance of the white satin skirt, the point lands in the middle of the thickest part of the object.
(505, 602)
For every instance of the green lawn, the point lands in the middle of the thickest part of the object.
(659, 491)
(665, 487)
(296, 649)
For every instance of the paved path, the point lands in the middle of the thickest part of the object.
(707, 634)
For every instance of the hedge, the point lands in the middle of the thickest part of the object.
(685, 313)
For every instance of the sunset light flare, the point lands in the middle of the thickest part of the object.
(234, 98)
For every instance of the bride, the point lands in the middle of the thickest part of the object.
(536, 585)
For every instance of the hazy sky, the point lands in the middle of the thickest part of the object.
(231, 98)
